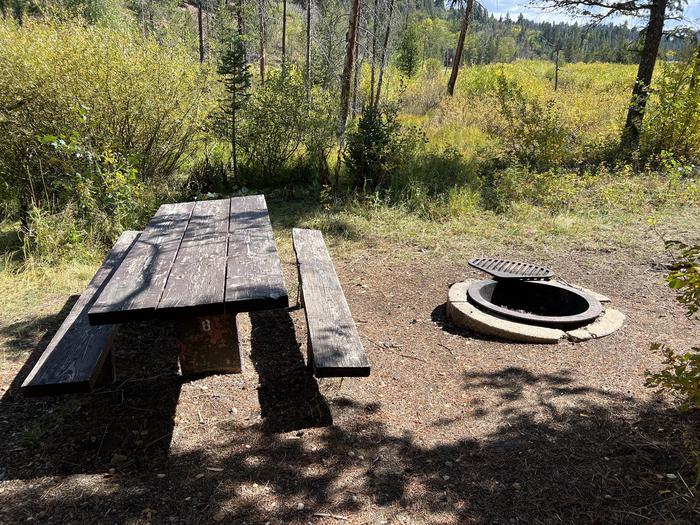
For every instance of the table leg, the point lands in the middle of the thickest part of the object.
(107, 374)
(208, 344)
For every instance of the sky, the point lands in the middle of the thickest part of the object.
(514, 7)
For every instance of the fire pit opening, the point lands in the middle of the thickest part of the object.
(543, 303)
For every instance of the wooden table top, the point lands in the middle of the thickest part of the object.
(194, 259)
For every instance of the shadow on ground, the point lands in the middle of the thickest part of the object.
(556, 451)
(131, 421)
(583, 464)
(288, 393)
(33, 335)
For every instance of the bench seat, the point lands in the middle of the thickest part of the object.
(76, 356)
(334, 348)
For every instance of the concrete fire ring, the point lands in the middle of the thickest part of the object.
(462, 313)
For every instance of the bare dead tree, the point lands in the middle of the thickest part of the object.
(385, 47)
(263, 38)
(308, 50)
(284, 32)
(201, 31)
(457, 61)
(350, 38)
(375, 28)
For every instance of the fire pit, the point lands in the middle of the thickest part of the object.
(520, 303)
(536, 302)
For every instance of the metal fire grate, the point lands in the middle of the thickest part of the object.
(505, 269)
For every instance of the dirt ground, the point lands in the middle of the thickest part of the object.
(450, 428)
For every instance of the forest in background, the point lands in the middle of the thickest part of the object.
(110, 107)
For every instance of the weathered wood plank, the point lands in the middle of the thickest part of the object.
(335, 349)
(73, 360)
(254, 279)
(196, 284)
(136, 287)
(249, 213)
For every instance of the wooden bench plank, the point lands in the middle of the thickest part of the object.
(135, 289)
(335, 349)
(196, 284)
(73, 359)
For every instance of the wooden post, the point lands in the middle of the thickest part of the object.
(556, 72)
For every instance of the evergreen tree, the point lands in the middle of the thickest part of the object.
(409, 57)
(236, 78)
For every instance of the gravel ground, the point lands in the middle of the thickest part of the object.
(450, 427)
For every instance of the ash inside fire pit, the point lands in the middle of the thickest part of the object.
(543, 303)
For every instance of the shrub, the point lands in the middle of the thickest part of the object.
(274, 122)
(680, 375)
(672, 121)
(380, 147)
(534, 133)
(80, 104)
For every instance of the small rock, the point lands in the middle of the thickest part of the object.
(160, 475)
(671, 476)
(117, 459)
(219, 516)
(351, 454)
(353, 498)
(112, 470)
(360, 457)
(300, 506)
(446, 477)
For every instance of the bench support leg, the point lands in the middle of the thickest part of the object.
(209, 345)
(107, 374)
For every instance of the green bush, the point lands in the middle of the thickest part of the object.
(672, 120)
(274, 122)
(380, 147)
(95, 117)
(680, 375)
(534, 132)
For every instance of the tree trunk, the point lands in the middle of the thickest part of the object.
(201, 31)
(234, 161)
(356, 78)
(241, 27)
(263, 39)
(284, 32)
(375, 28)
(457, 60)
(348, 67)
(647, 61)
(384, 50)
(308, 50)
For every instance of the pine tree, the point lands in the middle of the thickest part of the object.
(236, 78)
(409, 59)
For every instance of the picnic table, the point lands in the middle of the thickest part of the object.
(200, 263)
